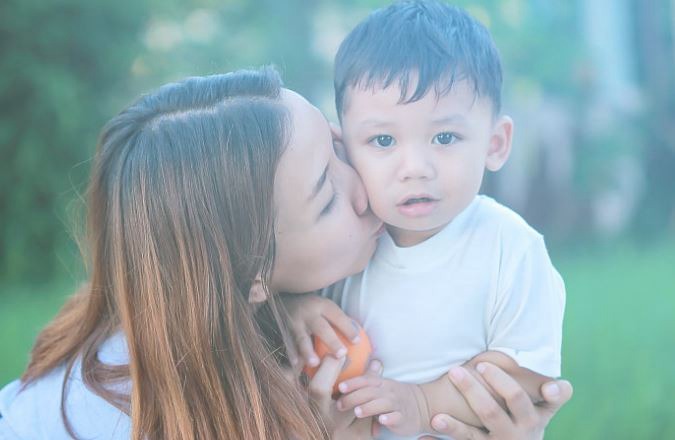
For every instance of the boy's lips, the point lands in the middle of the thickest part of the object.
(417, 205)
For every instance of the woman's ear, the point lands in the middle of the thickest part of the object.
(256, 293)
(338, 145)
(500, 143)
(335, 131)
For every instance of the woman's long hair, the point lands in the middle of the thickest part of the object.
(180, 222)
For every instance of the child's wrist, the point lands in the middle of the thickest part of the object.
(423, 408)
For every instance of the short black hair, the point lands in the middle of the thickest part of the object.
(443, 44)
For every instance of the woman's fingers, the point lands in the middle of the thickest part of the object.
(321, 385)
(447, 425)
(556, 393)
(517, 400)
(479, 399)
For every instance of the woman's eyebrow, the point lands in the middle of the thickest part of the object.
(319, 184)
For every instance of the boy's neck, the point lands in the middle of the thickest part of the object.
(407, 238)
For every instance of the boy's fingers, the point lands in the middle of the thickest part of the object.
(517, 400)
(342, 322)
(324, 331)
(357, 398)
(390, 419)
(447, 425)
(350, 385)
(373, 408)
(480, 400)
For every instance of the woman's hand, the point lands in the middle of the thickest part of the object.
(524, 420)
(342, 425)
(313, 315)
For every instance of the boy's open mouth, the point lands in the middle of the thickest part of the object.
(414, 200)
(418, 205)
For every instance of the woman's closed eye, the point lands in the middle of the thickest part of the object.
(382, 141)
(329, 206)
(445, 138)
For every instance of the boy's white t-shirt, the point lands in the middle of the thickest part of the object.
(485, 282)
(35, 413)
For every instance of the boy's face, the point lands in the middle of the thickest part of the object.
(422, 163)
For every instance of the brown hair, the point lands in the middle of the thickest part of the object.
(180, 223)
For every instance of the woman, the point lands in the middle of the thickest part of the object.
(206, 198)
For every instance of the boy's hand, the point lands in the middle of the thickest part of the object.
(313, 315)
(401, 407)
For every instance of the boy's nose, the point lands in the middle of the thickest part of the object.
(415, 163)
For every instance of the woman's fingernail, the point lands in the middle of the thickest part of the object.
(375, 366)
(439, 423)
(481, 368)
(456, 373)
(341, 352)
(552, 390)
(358, 411)
(313, 361)
(382, 419)
(342, 387)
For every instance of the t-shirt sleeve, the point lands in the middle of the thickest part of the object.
(526, 320)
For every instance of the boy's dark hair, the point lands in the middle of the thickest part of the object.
(443, 44)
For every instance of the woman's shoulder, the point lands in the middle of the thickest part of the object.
(34, 411)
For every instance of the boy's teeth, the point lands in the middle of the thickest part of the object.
(419, 200)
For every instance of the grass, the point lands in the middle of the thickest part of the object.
(618, 346)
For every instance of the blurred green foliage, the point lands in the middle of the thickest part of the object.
(69, 65)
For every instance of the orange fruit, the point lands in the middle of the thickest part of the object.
(358, 356)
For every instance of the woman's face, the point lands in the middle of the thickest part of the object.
(324, 228)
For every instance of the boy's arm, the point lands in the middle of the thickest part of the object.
(407, 409)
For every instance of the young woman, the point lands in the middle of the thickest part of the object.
(206, 198)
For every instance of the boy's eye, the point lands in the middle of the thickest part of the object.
(445, 138)
(383, 140)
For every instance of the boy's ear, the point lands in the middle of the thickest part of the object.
(500, 143)
(256, 293)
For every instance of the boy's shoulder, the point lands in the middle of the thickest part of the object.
(504, 222)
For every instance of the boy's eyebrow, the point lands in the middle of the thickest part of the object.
(453, 119)
(375, 122)
(319, 184)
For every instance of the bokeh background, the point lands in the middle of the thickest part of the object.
(590, 84)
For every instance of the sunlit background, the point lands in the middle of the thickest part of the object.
(590, 85)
